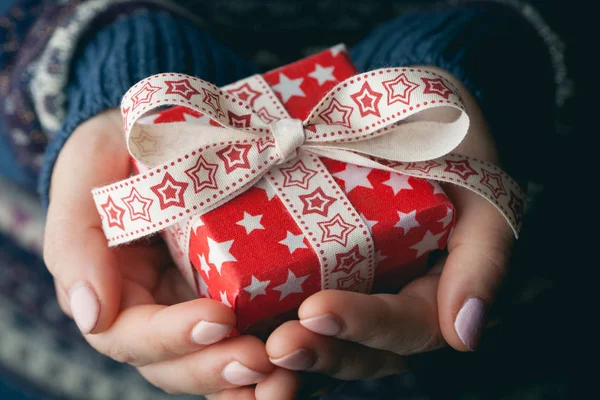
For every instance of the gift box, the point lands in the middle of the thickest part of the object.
(311, 222)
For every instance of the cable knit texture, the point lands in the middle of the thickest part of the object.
(130, 49)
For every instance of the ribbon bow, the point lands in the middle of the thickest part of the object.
(401, 120)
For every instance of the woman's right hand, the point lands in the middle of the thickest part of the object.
(130, 302)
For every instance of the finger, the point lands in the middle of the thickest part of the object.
(146, 334)
(143, 264)
(294, 347)
(403, 323)
(478, 253)
(235, 362)
(75, 249)
(281, 384)
(63, 300)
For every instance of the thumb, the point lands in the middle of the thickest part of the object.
(75, 249)
(478, 254)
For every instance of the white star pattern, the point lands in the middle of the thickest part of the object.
(428, 243)
(288, 88)
(219, 254)
(448, 218)
(294, 242)
(203, 264)
(264, 185)
(201, 120)
(197, 224)
(322, 74)
(407, 221)
(379, 257)
(398, 182)
(250, 222)
(293, 284)
(354, 176)
(256, 287)
(224, 299)
(337, 49)
(369, 223)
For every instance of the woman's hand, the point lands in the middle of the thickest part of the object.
(357, 336)
(130, 302)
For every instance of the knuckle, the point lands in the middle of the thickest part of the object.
(164, 386)
(120, 354)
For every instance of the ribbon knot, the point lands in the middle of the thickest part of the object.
(289, 136)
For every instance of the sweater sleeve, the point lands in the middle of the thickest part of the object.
(127, 50)
(497, 54)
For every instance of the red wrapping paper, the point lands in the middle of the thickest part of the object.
(251, 255)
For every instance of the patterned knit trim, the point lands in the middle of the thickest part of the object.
(50, 72)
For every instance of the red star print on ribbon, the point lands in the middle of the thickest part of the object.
(170, 192)
(350, 283)
(212, 100)
(316, 202)
(263, 113)
(297, 175)
(246, 93)
(399, 89)
(235, 156)
(493, 182)
(347, 261)
(461, 168)
(138, 206)
(203, 175)
(367, 101)
(114, 213)
(424, 166)
(239, 121)
(181, 87)
(336, 230)
(337, 114)
(144, 95)
(436, 86)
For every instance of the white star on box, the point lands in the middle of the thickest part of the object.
(398, 182)
(407, 221)
(250, 222)
(293, 284)
(288, 88)
(219, 254)
(354, 176)
(379, 257)
(294, 242)
(197, 224)
(369, 223)
(437, 189)
(203, 264)
(448, 218)
(264, 185)
(256, 287)
(428, 243)
(322, 74)
(224, 299)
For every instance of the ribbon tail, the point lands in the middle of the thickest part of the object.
(479, 177)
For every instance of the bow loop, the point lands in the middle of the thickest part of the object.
(289, 136)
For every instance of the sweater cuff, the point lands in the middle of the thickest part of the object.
(132, 48)
(497, 54)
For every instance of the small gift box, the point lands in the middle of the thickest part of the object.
(305, 178)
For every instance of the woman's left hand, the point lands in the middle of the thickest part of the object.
(351, 336)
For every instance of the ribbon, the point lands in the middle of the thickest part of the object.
(399, 119)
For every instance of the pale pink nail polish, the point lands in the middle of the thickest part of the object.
(470, 322)
(209, 332)
(324, 324)
(238, 374)
(84, 307)
(299, 360)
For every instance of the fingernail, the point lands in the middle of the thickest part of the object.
(238, 374)
(323, 324)
(84, 307)
(470, 322)
(209, 332)
(299, 360)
